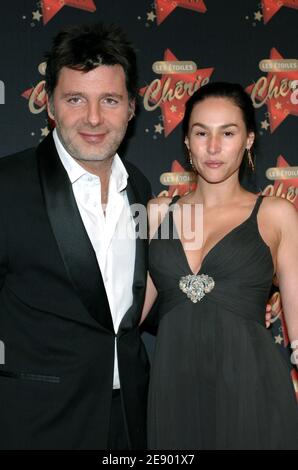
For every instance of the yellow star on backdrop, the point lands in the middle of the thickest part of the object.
(264, 124)
(151, 16)
(36, 15)
(258, 16)
(44, 131)
(278, 339)
(158, 128)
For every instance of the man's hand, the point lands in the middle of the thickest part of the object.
(273, 309)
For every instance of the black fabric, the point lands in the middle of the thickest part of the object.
(117, 432)
(217, 380)
(56, 383)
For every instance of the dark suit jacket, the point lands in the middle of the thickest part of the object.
(55, 321)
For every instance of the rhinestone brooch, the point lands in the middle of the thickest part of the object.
(196, 286)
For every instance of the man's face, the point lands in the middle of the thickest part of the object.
(91, 111)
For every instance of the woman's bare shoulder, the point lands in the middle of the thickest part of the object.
(278, 206)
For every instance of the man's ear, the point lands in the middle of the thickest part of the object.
(131, 109)
(50, 108)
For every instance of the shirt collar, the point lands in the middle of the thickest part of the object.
(75, 171)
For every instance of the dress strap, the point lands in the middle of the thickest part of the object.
(175, 199)
(257, 206)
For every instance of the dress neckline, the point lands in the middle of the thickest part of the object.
(219, 242)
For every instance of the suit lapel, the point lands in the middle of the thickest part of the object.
(132, 316)
(73, 242)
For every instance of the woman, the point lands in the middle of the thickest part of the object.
(218, 381)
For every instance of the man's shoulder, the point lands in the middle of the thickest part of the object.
(15, 160)
(26, 158)
(17, 170)
(134, 171)
(138, 177)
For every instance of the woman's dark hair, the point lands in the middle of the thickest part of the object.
(85, 48)
(232, 91)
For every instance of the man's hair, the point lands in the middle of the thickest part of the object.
(87, 47)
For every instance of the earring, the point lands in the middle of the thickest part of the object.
(250, 160)
(191, 164)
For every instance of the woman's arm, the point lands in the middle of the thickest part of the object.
(150, 297)
(287, 269)
(157, 209)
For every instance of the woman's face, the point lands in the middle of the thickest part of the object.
(217, 138)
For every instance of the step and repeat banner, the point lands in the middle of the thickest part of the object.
(181, 45)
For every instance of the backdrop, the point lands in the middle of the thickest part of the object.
(181, 45)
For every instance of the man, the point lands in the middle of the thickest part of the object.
(72, 282)
(72, 286)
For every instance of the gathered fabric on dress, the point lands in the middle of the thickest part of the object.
(218, 381)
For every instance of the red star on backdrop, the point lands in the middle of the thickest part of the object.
(173, 111)
(286, 183)
(51, 7)
(165, 7)
(270, 7)
(280, 107)
(181, 189)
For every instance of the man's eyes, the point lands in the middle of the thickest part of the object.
(74, 100)
(110, 101)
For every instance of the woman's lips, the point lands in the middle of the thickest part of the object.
(213, 164)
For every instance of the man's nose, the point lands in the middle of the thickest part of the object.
(95, 114)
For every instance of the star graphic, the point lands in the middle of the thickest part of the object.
(186, 83)
(44, 131)
(265, 124)
(271, 7)
(258, 15)
(165, 7)
(278, 339)
(278, 105)
(276, 90)
(151, 16)
(173, 109)
(51, 7)
(158, 128)
(36, 15)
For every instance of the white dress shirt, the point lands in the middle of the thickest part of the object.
(111, 235)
